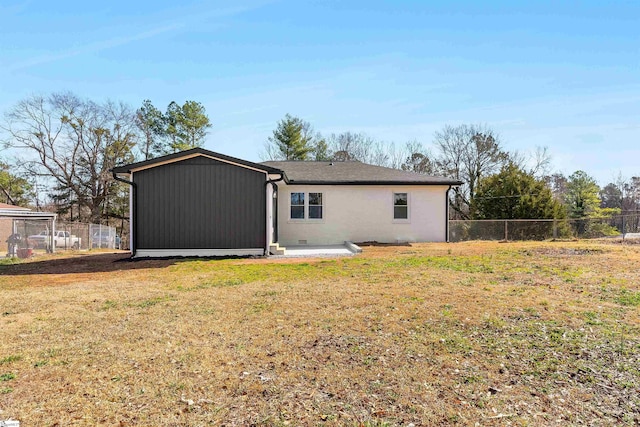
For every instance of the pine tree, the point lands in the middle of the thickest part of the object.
(291, 139)
(582, 195)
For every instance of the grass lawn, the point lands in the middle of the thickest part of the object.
(475, 333)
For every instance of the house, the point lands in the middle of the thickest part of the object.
(202, 203)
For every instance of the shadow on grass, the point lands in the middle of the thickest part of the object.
(101, 263)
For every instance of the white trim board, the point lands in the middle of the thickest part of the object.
(191, 156)
(159, 253)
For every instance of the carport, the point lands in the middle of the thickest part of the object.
(17, 214)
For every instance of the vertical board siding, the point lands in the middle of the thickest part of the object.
(200, 203)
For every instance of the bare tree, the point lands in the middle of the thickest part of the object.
(396, 155)
(379, 154)
(74, 142)
(536, 163)
(418, 159)
(623, 193)
(351, 146)
(557, 182)
(468, 153)
(363, 148)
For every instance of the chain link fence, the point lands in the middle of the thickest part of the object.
(622, 226)
(37, 235)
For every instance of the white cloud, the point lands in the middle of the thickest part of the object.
(93, 47)
(183, 22)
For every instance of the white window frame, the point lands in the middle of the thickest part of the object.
(395, 220)
(306, 207)
(308, 200)
(304, 204)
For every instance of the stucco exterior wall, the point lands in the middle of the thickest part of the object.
(364, 213)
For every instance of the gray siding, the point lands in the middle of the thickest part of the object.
(200, 203)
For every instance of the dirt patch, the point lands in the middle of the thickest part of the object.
(564, 251)
(80, 263)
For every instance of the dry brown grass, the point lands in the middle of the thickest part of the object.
(431, 334)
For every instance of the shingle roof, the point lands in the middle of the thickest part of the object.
(342, 173)
(302, 172)
(5, 206)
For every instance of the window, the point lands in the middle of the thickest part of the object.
(400, 206)
(315, 205)
(306, 206)
(297, 205)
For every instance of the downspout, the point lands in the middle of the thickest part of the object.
(266, 205)
(134, 211)
(446, 224)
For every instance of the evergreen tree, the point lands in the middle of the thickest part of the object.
(514, 194)
(321, 152)
(582, 195)
(180, 128)
(151, 123)
(186, 126)
(291, 139)
(611, 196)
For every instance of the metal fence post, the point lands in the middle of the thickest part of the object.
(506, 231)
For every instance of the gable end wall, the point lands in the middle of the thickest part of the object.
(200, 203)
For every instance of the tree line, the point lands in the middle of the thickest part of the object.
(497, 183)
(66, 145)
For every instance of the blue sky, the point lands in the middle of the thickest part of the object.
(565, 75)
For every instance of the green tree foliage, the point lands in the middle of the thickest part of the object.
(514, 194)
(321, 152)
(583, 201)
(14, 190)
(291, 140)
(171, 119)
(181, 127)
(611, 196)
(187, 125)
(582, 197)
(418, 162)
(151, 123)
(418, 159)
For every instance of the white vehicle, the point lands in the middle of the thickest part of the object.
(61, 240)
(104, 238)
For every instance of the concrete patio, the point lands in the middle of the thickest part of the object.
(346, 249)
